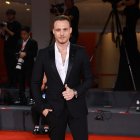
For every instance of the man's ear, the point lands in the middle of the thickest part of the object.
(70, 29)
(53, 31)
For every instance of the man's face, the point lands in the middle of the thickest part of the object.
(24, 35)
(62, 31)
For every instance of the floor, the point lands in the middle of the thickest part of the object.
(27, 135)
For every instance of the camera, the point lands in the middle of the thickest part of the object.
(19, 62)
(57, 8)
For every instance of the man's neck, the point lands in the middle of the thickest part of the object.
(62, 46)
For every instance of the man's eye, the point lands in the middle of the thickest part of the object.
(57, 30)
(65, 29)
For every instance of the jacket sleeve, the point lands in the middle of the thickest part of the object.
(87, 77)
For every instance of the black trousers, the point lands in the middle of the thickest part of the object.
(36, 116)
(10, 62)
(57, 126)
(23, 78)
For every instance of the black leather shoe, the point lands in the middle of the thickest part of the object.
(45, 130)
(36, 130)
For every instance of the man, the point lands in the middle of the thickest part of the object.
(27, 50)
(73, 12)
(12, 35)
(68, 74)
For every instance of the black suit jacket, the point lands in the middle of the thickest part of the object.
(78, 77)
(30, 49)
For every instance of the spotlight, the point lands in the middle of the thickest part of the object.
(7, 2)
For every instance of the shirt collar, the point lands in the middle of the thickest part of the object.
(57, 50)
(26, 40)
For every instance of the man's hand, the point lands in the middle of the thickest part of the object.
(68, 94)
(22, 54)
(46, 111)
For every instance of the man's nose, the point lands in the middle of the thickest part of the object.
(62, 32)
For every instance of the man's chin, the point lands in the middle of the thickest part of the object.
(63, 42)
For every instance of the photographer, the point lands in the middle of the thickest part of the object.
(26, 52)
(73, 13)
(11, 33)
(124, 81)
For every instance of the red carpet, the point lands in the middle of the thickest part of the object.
(19, 135)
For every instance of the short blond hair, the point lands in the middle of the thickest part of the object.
(61, 18)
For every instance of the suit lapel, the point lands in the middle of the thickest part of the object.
(52, 58)
(27, 44)
(71, 60)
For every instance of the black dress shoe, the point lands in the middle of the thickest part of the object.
(45, 130)
(36, 130)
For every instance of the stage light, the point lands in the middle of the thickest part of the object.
(7, 2)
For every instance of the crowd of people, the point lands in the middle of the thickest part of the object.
(19, 53)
